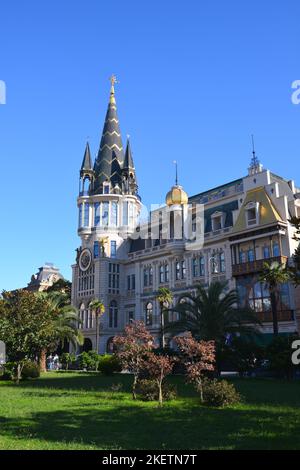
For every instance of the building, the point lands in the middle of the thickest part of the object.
(46, 276)
(244, 223)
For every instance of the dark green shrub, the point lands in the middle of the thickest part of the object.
(147, 390)
(279, 355)
(8, 371)
(219, 393)
(31, 370)
(67, 360)
(85, 361)
(108, 364)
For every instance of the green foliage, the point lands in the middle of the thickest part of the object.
(9, 370)
(30, 370)
(108, 364)
(220, 393)
(211, 314)
(87, 361)
(62, 286)
(279, 354)
(67, 359)
(147, 390)
(244, 354)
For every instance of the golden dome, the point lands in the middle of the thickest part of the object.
(176, 196)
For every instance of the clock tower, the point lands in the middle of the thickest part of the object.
(108, 208)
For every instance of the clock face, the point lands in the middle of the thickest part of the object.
(85, 259)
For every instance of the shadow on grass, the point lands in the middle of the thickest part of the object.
(172, 427)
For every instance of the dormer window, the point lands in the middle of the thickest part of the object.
(106, 188)
(217, 221)
(252, 213)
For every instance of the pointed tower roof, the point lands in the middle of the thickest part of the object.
(87, 160)
(110, 156)
(128, 160)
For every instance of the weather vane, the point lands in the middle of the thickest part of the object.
(113, 80)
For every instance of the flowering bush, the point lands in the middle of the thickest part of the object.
(219, 393)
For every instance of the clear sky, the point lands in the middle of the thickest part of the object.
(197, 78)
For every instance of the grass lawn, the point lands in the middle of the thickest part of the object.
(80, 411)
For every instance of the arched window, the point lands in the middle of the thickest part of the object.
(110, 347)
(149, 314)
(150, 276)
(113, 314)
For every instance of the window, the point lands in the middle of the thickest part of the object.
(266, 252)
(86, 218)
(195, 267)
(216, 223)
(106, 188)
(161, 274)
(128, 283)
(166, 272)
(113, 249)
(149, 314)
(96, 214)
(80, 216)
(105, 208)
(113, 278)
(252, 213)
(125, 213)
(177, 270)
(183, 269)
(130, 317)
(222, 262)
(251, 256)
(114, 214)
(202, 265)
(96, 250)
(276, 249)
(132, 281)
(242, 256)
(113, 314)
(214, 265)
(150, 276)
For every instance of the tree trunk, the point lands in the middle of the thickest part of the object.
(200, 388)
(97, 333)
(160, 394)
(42, 361)
(134, 387)
(19, 373)
(162, 327)
(274, 312)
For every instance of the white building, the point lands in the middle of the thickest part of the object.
(245, 223)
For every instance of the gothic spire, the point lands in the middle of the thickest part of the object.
(128, 160)
(129, 180)
(110, 155)
(87, 160)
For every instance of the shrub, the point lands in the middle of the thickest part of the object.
(279, 353)
(87, 361)
(67, 359)
(219, 393)
(8, 371)
(31, 370)
(147, 390)
(108, 364)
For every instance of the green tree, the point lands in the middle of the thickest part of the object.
(164, 298)
(273, 276)
(212, 314)
(63, 286)
(97, 306)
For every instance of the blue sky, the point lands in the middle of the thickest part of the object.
(197, 78)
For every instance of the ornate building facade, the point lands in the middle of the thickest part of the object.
(243, 223)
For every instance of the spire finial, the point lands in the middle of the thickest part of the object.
(176, 172)
(254, 160)
(113, 80)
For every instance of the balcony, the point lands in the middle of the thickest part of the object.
(255, 266)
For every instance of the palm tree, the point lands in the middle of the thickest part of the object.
(212, 314)
(99, 309)
(63, 324)
(164, 298)
(274, 275)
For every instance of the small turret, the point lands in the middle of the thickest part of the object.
(86, 172)
(128, 172)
